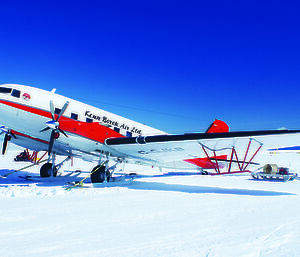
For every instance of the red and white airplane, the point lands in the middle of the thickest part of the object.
(45, 121)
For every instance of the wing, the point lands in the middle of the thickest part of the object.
(179, 151)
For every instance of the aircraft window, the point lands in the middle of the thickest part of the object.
(117, 129)
(57, 110)
(74, 116)
(5, 90)
(88, 120)
(16, 93)
(128, 134)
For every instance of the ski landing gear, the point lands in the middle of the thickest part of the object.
(101, 173)
(96, 177)
(50, 169)
(47, 170)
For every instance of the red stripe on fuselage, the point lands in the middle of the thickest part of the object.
(33, 138)
(93, 131)
(26, 108)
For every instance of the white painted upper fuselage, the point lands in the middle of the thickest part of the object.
(23, 110)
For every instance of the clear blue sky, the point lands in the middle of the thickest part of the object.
(173, 65)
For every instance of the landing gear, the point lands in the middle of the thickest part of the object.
(100, 174)
(47, 170)
(50, 169)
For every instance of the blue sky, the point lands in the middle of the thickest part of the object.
(173, 65)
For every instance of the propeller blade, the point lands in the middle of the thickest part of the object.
(2, 130)
(64, 133)
(51, 142)
(10, 132)
(62, 110)
(44, 129)
(52, 110)
(5, 144)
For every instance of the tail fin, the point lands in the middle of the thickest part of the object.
(218, 126)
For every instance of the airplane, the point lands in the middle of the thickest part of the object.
(43, 120)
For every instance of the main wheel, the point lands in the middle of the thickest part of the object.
(99, 173)
(47, 169)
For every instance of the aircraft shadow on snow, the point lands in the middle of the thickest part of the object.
(197, 189)
(156, 186)
(136, 185)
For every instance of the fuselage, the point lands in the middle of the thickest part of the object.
(26, 110)
(83, 131)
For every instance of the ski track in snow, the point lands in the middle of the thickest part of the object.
(173, 214)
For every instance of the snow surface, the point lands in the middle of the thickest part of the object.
(172, 214)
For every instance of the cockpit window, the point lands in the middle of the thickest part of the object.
(74, 116)
(16, 93)
(5, 90)
(57, 111)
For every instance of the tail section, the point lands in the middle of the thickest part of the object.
(218, 126)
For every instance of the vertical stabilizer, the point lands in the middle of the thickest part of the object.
(218, 126)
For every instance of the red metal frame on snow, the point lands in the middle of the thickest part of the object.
(34, 156)
(241, 165)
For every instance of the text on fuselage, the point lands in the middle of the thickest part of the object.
(107, 121)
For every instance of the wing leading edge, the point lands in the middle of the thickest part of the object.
(195, 136)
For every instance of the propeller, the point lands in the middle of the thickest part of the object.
(8, 134)
(54, 125)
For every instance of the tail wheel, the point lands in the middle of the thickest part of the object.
(47, 169)
(99, 174)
